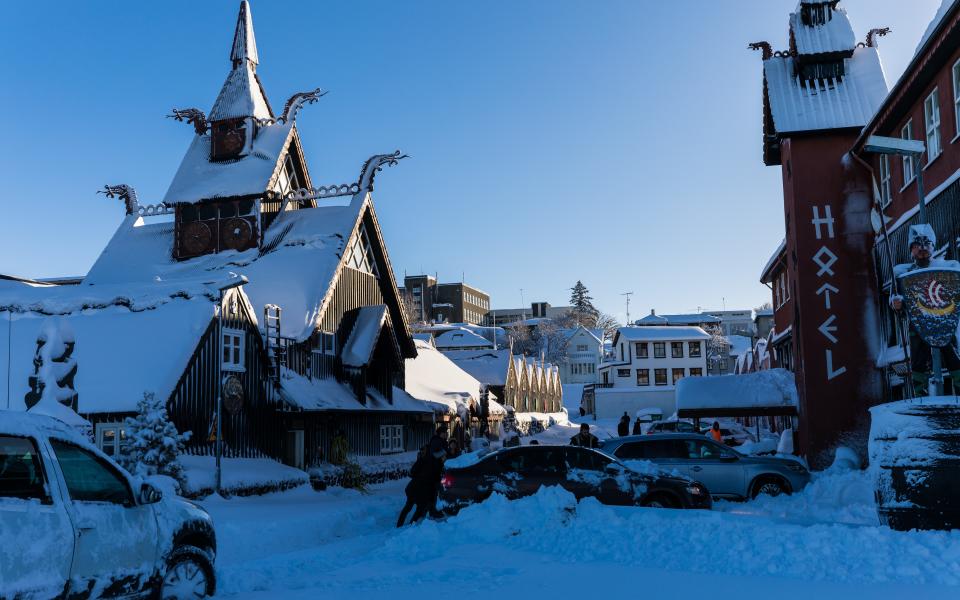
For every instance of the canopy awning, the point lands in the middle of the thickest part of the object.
(772, 392)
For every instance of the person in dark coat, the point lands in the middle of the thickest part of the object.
(637, 426)
(424, 483)
(623, 427)
(585, 439)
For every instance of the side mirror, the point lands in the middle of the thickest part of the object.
(149, 494)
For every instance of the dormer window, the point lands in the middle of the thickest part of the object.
(227, 139)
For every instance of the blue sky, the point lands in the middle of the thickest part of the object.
(614, 142)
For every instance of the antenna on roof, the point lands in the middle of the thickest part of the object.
(628, 294)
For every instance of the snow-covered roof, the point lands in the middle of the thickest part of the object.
(769, 391)
(363, 337)
(461, 338)
(295, 275)
(115, 365)
(682, 319)
(596, 334)
(433, 377)
(662, 332)
(486, 366)
(198, 178)
(809, 105)
(765, 274)
(739, 344)
(329, 394)
(242, 95)
(945, 6)
(835, 35)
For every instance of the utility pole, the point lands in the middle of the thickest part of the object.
(628, 294)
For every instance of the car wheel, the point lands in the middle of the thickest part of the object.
(189, 575)
(769, 487)
(658, 501)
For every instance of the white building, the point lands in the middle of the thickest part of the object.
(646, 365)
(584, 354)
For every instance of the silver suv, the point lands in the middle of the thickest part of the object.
(725, 472)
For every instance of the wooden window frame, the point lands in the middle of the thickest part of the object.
(656, 377)
(931, 125)
(236, 362)
(909, 168)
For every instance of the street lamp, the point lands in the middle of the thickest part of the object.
(233, 282)
(877, 144)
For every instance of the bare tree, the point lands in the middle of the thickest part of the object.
(609, 324)
(409, 309)
(764, 306)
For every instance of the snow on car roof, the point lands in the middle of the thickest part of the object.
(21, 423)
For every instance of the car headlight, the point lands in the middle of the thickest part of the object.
(695, 490)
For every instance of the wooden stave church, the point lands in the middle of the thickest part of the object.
(284, 373)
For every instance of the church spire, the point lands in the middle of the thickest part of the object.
(244, 42)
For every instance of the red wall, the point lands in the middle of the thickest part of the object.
(835, 346)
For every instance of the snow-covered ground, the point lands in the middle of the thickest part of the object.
(823, 543)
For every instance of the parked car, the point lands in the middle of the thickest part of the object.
(518, 472)
(83, 527)
(671, 427)
(725, 472)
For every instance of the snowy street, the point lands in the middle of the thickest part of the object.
(342, 544)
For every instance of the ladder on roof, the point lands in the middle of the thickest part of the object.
(276, 349)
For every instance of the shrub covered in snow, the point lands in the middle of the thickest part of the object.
(153, 444)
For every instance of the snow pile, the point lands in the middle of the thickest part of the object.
(240, 476)
(772, 388)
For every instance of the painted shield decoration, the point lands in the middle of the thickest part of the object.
(232, 394)
(931, 297)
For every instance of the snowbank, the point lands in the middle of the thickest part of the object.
(240, 476)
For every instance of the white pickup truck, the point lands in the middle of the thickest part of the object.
(74, 524)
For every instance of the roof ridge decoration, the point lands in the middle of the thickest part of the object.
(193, 116)
(368, 172)
(244, 41)
(293, 105)
(133, 207)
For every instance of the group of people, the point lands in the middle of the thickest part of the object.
(623, 427)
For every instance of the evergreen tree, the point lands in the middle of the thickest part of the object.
(582, 303)
(153, 444)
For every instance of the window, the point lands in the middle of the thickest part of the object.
(652, 449)
(642, 351)
(676, 349)
(643, 376)
(21, 475)
(110, 438)
(326, 343)
(623, 372)
(694, 348)
(360, 254)
(581, 347)
(696, 372)
(90, 478)
(956, 96)
(581, 458)
(660, 376)
(884, 180)
(659, 350)
(391, 439)
(678, 374)
(233, 346)
(723, 365)
(907, 133)
(705, 449)
(931, 120)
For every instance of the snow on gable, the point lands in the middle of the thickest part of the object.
(363, 338)
(801, 105)
(835, 35)
(200, 179)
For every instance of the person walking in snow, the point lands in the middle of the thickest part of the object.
(637, 426)
(424, 483)
(585, 439)
(623, 427)
(922, 242)
(715, 432)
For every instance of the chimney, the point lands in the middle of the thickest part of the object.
(653, 312)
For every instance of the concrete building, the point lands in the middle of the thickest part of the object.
(445, 302)
(504, 317)
(646, 366)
